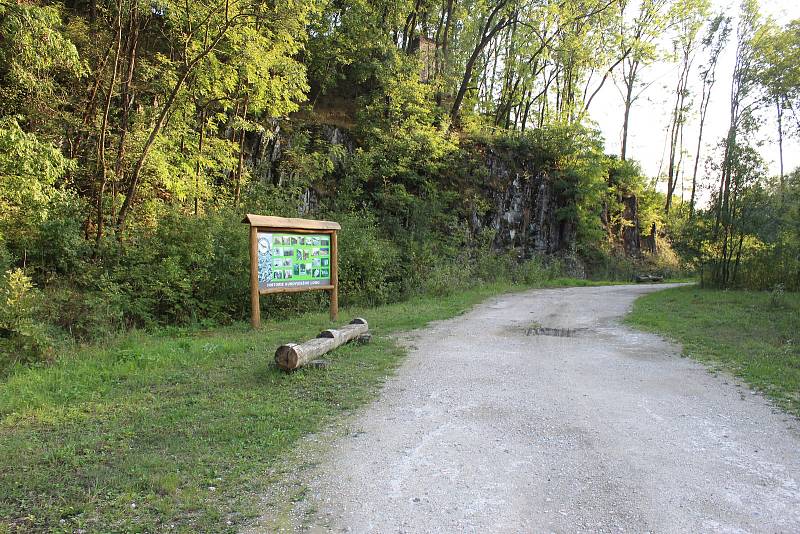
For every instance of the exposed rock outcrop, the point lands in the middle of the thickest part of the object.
(525, 209)
(631, 240)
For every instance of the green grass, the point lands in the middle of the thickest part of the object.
(754, 335)
(134, 434)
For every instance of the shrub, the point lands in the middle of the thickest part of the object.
(370, 270)
(58, 243)
(777, 297)
(537, 270)
(187, 269)
(490, 266)
(91, 307)
(22, 339)
(447, 278)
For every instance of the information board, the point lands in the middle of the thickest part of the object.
(288, 255)
(293, 260)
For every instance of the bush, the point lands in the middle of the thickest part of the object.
(447, 278)
(92, 307)
(615, 266)
(22, 339)
(490, 266)
(189, 268)
(370, 270)
(58, 242)
(538, 270)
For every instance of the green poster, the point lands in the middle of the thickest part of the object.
(293, 260)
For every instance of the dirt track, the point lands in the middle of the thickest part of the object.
(499, 422)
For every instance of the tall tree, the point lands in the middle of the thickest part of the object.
(714, 42)
(740, 163)
(500, 14)
(208, 32)
(690, 15)
(778, 58)
(638, 44)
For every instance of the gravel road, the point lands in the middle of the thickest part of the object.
(538, 412)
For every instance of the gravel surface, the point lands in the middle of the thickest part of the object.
(538, 412)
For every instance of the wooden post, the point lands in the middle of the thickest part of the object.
(255, 304)
(334, 276)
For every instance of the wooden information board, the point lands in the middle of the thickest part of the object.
(289, 255)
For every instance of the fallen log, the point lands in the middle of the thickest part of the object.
(294, 355)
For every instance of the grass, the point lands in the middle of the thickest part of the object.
(754, 335)
(178, 431)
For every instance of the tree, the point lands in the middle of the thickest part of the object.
(740, 166)
(500, 15)
(637, 49)
(713, 42)
(690, 16)
(35, 54)
(202, 36)
(778, 66)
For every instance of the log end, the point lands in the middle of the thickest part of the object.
(359, 320)
(287, 357)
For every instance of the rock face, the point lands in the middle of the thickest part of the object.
(266, 149)
(524, 201)
(525, 206)
(631, 240)
(337, 136)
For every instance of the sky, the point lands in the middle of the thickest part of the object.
(650, 115)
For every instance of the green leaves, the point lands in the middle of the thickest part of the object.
(777, 53)
(34, 51)
(30, 170)
(29, 167)
(22, 337)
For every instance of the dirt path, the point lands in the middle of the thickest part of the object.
(496, 424)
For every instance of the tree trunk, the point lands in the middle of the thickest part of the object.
(603, 80)
(487, 34)
(104, 128)
(630, 81)
(445, 35)
(240, 167)
(780, 142)
(408, 29)
(704, 100)
(127, 102)
(738, 257)
(675, 131)
(199, 166)
(625, 123)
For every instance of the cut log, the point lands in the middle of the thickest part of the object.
(294, 355)
(648, 278)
